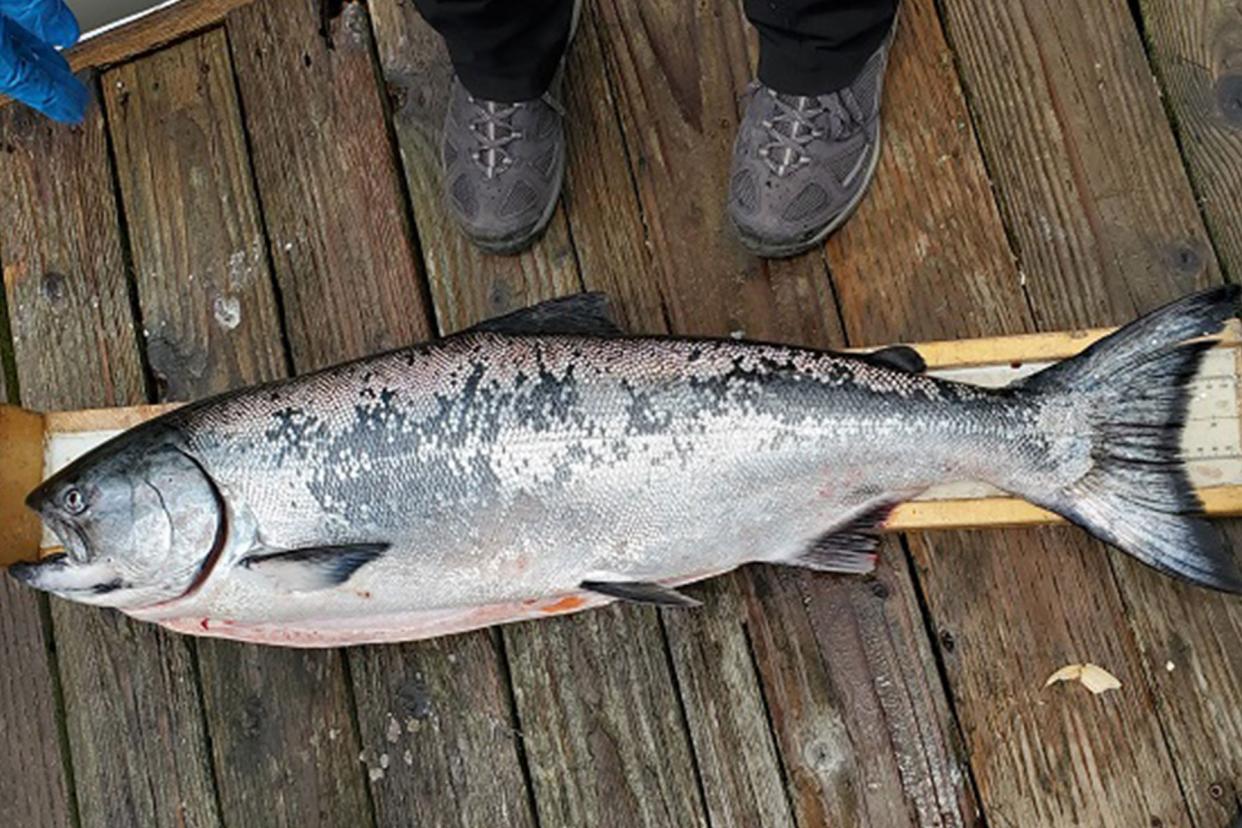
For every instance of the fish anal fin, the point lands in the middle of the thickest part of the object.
(852, 548)
(641, 592)
(897, 357)
(582, 313)
(313, 568)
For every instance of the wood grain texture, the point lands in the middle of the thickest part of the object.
(132, 708)
(601, 722)
(676, 70)
(1196, 50)
(1084, 163)
(441, 746)
(150, 31)
(146, 34)
(34, 789)
(328, 182)
(196, 239)
(927, 256)
(211, 324)
(1101, 126)
(609, 228)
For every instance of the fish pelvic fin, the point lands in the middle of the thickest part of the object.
(1136, 494)
(313, 568)
(641, 592)
(852, 548)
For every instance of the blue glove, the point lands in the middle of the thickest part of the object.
(33, 72)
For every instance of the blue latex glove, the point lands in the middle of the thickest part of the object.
(33, 72)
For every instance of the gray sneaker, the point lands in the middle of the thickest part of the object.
(503, 167)
(802, 164)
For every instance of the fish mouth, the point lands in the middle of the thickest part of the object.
(91, 583)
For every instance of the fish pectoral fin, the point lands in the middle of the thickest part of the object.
(641, 592)
(897, 357)
(314, 567)
(849, 549)
(582, 313)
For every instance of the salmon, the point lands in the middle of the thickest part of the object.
(544, 463)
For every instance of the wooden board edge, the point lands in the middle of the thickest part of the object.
(1036, 347)
(1003, 512)
(21, 469)
(104, 419)
(146, 33)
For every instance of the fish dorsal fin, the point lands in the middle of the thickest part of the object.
(641, 592)
(314, 567)
(583, 313)
(850, 548)
(897, 357)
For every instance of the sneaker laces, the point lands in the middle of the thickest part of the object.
(494, 130)
(800, 119)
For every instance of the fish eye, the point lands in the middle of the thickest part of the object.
(74, 501)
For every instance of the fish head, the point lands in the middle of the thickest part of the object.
(140, 519)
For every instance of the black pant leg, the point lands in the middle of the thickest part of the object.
(503, 50)
(811, 47)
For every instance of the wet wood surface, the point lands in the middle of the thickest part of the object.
(264, 197)
(132, 710)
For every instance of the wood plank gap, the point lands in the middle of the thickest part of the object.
(781, 766)
(62, 725)
(260, 209)
(683, 717)
(515, 721)
(934, 635)
(351, 702)
(403, 183)
(149, 382)
(968, 93)
(197, 670)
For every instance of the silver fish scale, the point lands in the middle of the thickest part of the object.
(501, 468)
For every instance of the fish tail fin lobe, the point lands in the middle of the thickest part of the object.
(1137, 494)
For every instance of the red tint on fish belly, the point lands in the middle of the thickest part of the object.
(385, 629)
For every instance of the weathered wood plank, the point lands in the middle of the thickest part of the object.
(440, 741)
(1196, 48)
(199, 255)
(328, 182)
(927, 256)
(132, 707)
(609, 236)
(34, 789)
(676, 71)
(1110, 173)
(207, 302)
(601, 722)
(450, 763)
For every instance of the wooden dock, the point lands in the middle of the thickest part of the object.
(261, 197)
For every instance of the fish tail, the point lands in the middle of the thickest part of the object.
(1136, 493)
